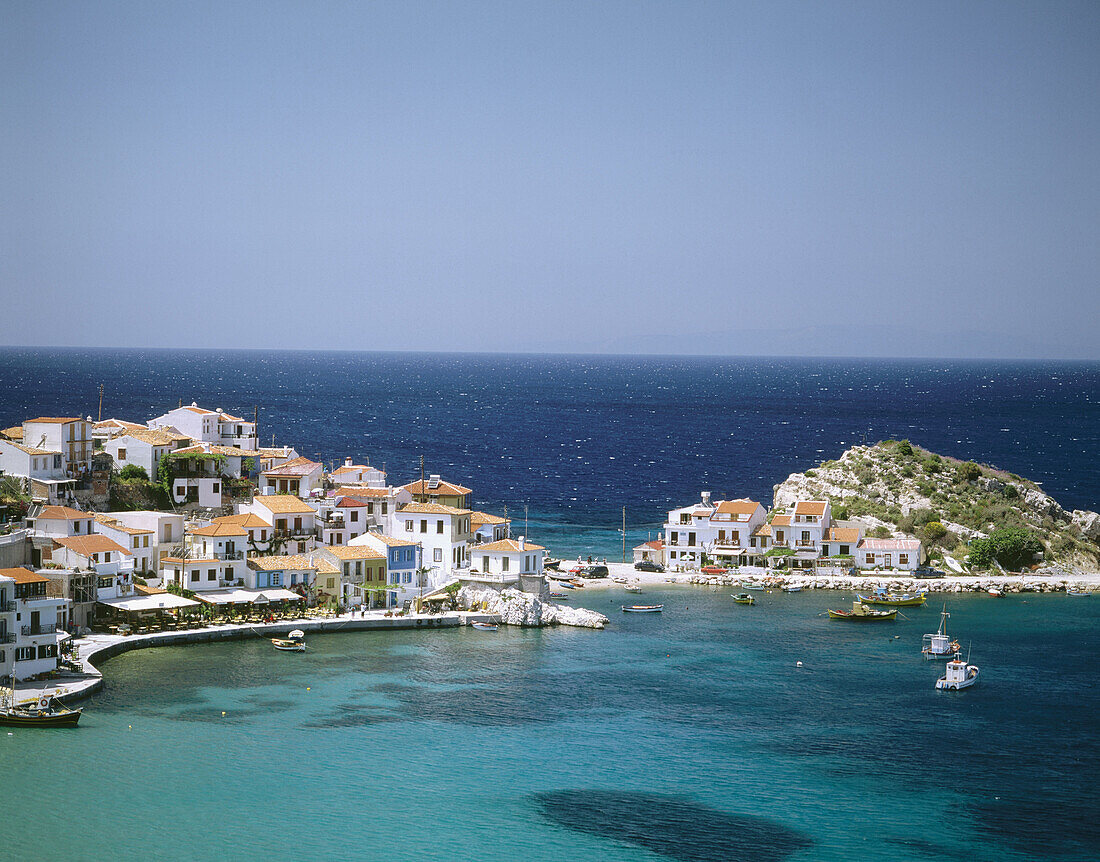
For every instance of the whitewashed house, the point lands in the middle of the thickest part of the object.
(31, 624)
(487, 528)
(905, 554)
(294, 521)
(144, 447)
(69, 435)
(138, 541)
(358, 474)
(113, 563)
(688, 534)
(213, 558)
(210, 426)
(507, 563)
(732, 525)
(382, 504)
(653, 551)
(107, 428)
(443, 532)
(42, 470)
(299, 477)
(62, 521)
(165, 531)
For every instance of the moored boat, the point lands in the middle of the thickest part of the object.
(43, 711)
(293, 642)
(632, 588)
(744, 599)
(900, 600)
(792, 588)
(642, 609)
(861, 613)
(939, 645)
(485, 627)
(1079, 594)
(957, 675)
(559, 596)
(753, 585)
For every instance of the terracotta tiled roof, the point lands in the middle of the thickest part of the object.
(390, 540)
(218, 530)
(215, 449)
(483, 518)
(115, 524)
(737, 507)
(63, 513)
(352, 491)
(781, 521)
(810, 507)
(31, 450)
(23, 576)
(354, 552)
(13, 433)
(432, 509)
(443, 489)
(506, 545)
(284, 504)
(152, 436)
(118, 423)
(297, 467)
(842, 534)
(54, 420)
(763, 530)
(246, 519)
(93, 544)
(350, 503)
(355, 468)
(287, 561)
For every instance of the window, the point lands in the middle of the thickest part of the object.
(107, 556)
(331, 583)
(385, 508)
(736, 536)
(886, 559)
(194, 576)
(423, 526)
(504, 561)
(145, 542)
(485, 564)
(439, 526)
(370, 508)
(47, 651)
(211, 574)
(359, 567)
(675, 540)
(121, 454)
(407, 578)
(903, 559)
(685, 518)
(215, 488)
(408, 526)
(76, 526)
(136, 545)
(276, 579)
(844, 550)
(24, 653)
(355, 514)
(438, 555)
(870, 559)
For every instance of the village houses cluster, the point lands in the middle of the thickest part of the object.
(742, 533)
(246, 525)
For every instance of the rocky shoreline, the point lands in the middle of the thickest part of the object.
(517, 608)
(1040, 581)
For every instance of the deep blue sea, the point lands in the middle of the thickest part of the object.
(576, 438)
(687, 736)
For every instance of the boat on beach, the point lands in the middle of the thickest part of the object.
(958, 675)
(861, 613)
(744, 599)
(642, 609)
(939, 645)
(900, 600)
(565, 585)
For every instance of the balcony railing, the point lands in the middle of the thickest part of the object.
(805, 543)
(7, 637)
(40, 629)
(7, 607)
(297, 533)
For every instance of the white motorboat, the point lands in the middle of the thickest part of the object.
(792, 588)
(958, 675)
(939, 645)
(633, 587)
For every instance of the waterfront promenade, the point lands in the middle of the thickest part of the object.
(71, 686)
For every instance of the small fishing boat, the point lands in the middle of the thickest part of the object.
(1078, 594)
(959, 674)
(753, 585)
(899, 600)
(996, 592)
(939, 645)
(44, 711)
(619, 580)
(291, 643)
(485, 627)
(577, 582)
(792, 588)
(714, 570)
(861, 613)
(632, 588)
(551, 564)
(565, 585)
(561, 596)
(642, 609)
(744, 599)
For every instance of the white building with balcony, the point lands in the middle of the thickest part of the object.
(69, 435)
(350, 473)
(488, 528)
(112, 563)
(294, 521)
(139, 542)
(299, 478)
(165, 531)
(144, 447)
(507, 563)
(210, 426)
(905, 554)
(689, 534)
(42, 469)
(31, 624)
(62, 521)
(732, 525)
(444, 534)
(213, 558)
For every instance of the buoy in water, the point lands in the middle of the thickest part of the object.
(223, 712)
(798, 664)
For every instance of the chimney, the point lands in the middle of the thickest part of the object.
(522, 542)
(706, 497)
(347, 461)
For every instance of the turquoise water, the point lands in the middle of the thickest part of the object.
(689, 735)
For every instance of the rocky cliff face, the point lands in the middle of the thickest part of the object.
(900, 489)
(526, 609)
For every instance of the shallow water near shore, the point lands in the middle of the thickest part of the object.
(689, 735)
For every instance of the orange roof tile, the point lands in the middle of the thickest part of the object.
(506, 545)
(810, 507)
(63, 513)
(432, 509)
(284, 504)
(23, 576)
(218, 530)
(737, 507)
(54, 420)
(93, 544)
(354, 552)
(443, 489)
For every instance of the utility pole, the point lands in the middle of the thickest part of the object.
(100, 419)
(423, 492)
(525, 520)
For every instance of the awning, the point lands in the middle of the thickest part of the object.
(155, 602)
(248, 597)
(806, 555)
(728, 552)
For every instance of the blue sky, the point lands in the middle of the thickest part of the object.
(732, 178)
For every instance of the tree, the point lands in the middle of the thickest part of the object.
(968, 471)
(1015, 547)
(133, 472)
(933, 530)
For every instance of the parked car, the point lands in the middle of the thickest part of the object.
(928, 572)
(648, 566)
(595, 572)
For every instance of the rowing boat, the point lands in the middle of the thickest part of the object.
(642, 609)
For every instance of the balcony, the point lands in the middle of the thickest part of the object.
(805, 543)
(40, 629)
(297, 533)
(7, 637)
(7, 607)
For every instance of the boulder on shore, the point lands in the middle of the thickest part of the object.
(517, 608)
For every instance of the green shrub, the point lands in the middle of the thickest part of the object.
(1010, 492)
(880, 532)
(932, 531)
(132, 472)
(968, 471)
(906, 524)
(903, 447)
